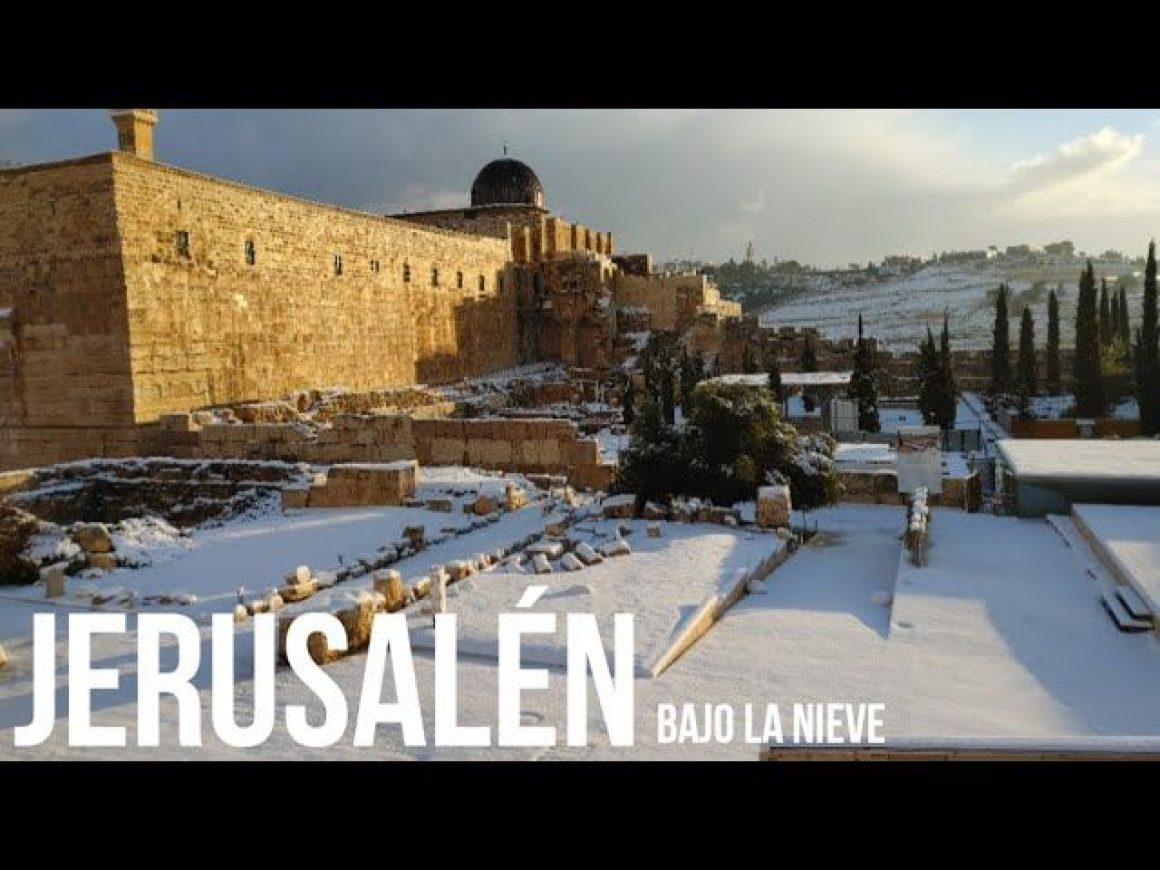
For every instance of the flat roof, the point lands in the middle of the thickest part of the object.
(1082, 459)
(789, 379)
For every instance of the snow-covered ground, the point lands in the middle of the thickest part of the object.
(897, 310)
(1054, 407)
(1002, 634)
(1129, 536)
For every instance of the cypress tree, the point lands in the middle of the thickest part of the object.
(809, 359)
(1125, 327)
(1115, 306)
(1028, 380)
(775, 376)
(668, 397)
(1001, 346)
(1088, 384)
(749, 360)
(1148, 352)
(1105, 314)
(1053, 377)
(926, 372)
(629, 400)
(863, 388)
(947, 391)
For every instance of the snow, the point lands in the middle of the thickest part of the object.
(659, 582)
(397, 465)
(143, 541)
(1000, 637)
(846, 454)
(788, 379)
(1090, 459)
(1054, 407)
(611, 444)
(1129, 538)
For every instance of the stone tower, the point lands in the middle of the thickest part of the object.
(135, 130)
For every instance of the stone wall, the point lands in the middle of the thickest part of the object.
(331, 297)
(64, 357)
(533, 234)
(358, 485)
(530, 446)
(674, 301)
(881, 487)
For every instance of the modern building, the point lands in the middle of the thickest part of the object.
(1047, 476)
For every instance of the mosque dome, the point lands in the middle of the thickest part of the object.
(507, 182)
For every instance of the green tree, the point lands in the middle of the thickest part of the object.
(692, 373)
(629, 400)
(668, 397)
(1148, 352)
(1053, 377)
(1105, 313)
(863, 385)
(1001, 346)
(774, 371)
(926, 373)
(749, 360)
(946, 385)
(1028, 378)
(1087, 380)
(1125, 326)
(1114, 305)
(809, 358)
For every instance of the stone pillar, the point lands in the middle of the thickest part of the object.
(135, 131)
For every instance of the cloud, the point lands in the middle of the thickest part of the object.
(1098, 153)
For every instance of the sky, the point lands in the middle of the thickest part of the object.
(826, 187)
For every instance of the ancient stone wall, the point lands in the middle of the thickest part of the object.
(525, 445)
(238, 294)
(64, 357)
(533, 234)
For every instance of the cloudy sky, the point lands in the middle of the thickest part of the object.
(825, 187)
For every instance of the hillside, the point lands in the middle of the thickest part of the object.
(898, 308)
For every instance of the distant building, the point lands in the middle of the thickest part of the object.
(1060, 249)
(963, 256)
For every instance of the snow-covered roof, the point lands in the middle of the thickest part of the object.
(789, 379)
(1086, 459)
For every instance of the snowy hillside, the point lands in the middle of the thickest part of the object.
(898, 309)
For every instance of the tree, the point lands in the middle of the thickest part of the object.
(692, 373)
(926, 373)
(1114, 305)
(1028, 381)
(1125, 326)
(1087, 381)
(947, 386)
(1001, 346)
(749, 360)
(863, 387)
(809, 358)
(629, 400)
(1053, 378)
(668, 398)
(1148, 352)
(775, 376)
(1105, 313)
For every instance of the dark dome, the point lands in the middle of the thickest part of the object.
(507, 182)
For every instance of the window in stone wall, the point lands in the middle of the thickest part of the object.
(338, 264)
(374, 265)
(458, 280)
(434, 276)
(183, 243)
(482, 284)
(499, 284)
(251, 254)
(406, 273)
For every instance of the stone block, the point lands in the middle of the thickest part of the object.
(92, 537)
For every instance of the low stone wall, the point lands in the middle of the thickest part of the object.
(531, 446)
(358, 485)
(881, 487)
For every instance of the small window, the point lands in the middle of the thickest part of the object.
(251, 254)
(434, 277)
(374, 265)
(183, 242)
(499, 284)
(458, 280)
(338, 264)
(482, 283)
(406, 273)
